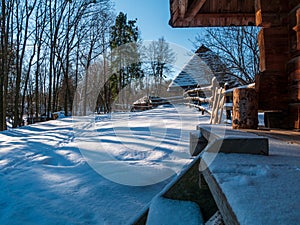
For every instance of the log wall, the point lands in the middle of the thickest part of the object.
(278, 84)
(293, 65)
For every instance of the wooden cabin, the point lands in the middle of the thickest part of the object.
(278, 83)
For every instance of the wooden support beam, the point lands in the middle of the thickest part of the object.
(182, 4)
(271, 15)
(297, 27)
(215, 19)
(194, 9)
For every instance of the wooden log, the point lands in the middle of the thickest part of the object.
(268, 15)
(272, 90)
(293, 69)
(297, 27)
(274, 49)
(294, 115)
(245, 109)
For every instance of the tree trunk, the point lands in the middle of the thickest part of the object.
(3, 67)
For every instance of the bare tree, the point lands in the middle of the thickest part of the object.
(24, 10)
(237, 47)
(95, 40)
(160, 57)
(4, 64)
(49, 44)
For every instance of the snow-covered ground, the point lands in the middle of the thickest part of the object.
(50, 173)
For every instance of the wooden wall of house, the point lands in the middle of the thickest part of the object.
(278, 83)
(272, 82)
(293, 66)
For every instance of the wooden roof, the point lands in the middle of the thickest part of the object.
(207, 13)
(201, 68)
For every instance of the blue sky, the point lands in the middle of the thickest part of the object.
(152, 19)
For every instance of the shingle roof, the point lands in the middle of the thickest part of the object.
(199, 71)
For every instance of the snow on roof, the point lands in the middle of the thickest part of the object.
(199, 71)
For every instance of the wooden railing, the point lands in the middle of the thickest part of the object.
(219, 100)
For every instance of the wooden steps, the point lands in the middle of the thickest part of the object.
(197, 183)
(185, 187)
(226, 140)
(221, 139)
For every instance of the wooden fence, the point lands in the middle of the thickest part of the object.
(219, 100)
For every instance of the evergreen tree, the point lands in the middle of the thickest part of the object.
(125, 57)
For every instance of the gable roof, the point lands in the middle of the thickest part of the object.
(199, 71)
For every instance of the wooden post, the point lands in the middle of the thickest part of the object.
(227, 100)
(245, 109)
(297, 28)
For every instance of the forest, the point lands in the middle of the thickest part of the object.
(59, 53)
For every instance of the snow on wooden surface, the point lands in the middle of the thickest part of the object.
(261, 189)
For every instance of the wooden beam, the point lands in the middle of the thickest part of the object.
(182, 4)
(194, 9)
(227, 213)
(217, 19)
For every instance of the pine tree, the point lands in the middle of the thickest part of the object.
(125, 58)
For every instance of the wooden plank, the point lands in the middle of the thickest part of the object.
(277, 6)
(268, 15)
(186, 187)
(297, 28)
(183, 5)
(213, 13)
(217, 106)
(224, 207)
(198, 107)
(221, 107)
(240, 145)
(197, 143)
(214, 100)
(206, 88)
(215, 19)
(194, 9)
(233, 141)
(199, 99)
(223, 19)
